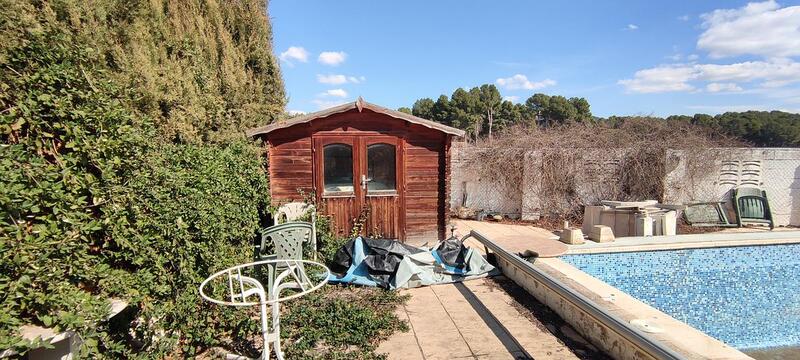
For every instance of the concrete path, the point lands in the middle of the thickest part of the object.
(477, 320)
(516, 238)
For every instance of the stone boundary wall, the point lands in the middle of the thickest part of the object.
(777, 170)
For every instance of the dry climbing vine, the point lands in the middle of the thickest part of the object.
(567, 167)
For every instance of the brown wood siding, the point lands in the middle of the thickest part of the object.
(383, 220)
(290, 169)
(423, 196)
(343, 211)
(423, 174)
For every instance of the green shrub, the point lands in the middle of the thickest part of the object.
(124, 173)
(195, 211)
(340, 322)
(67, 147)
(96, 198)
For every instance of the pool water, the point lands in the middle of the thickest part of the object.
(747, 297)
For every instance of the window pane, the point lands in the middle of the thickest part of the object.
(338, 167)
(380, 167)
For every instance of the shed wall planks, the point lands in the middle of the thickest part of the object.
(418, 214)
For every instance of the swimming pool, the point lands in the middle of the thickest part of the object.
(747, 297)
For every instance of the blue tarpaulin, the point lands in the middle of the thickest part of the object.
(415, 268)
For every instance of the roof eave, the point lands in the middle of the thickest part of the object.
(359, 104)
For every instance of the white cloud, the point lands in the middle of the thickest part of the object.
(692, 57)
(356, 80)
(632, 27)
(332, 58)
(763, 29)
(677, 77)
(783, 71)
(675, 57)
(296, 112)
(332, 79)
(723, 87)
(520, 81)
(512, 98)
(665, 78)
(338, 79)
(294, 53)
(683, 18)
(324, 104)
(334, 93)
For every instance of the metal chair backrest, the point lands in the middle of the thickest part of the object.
(287, 240)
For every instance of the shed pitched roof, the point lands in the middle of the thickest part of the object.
(359, 104)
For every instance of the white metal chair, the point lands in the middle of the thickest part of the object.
(293, 211)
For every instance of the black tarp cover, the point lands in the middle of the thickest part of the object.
(382, 258)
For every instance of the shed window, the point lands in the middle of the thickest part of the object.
(381, 167)
(338, 168)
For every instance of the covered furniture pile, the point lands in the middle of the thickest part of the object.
(391, 264)
(632, 218)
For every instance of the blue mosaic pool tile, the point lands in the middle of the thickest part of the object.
(747, 297)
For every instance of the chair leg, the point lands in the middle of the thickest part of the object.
(270, 275)
(314, 234)
(276, 329)
(265, 331)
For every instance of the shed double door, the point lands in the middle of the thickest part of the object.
(359, 181)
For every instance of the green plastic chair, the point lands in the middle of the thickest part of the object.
(287, 242)
(752, 206)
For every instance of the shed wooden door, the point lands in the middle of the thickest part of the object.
(359, 180)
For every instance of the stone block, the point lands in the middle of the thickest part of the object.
(601, 233)
(572, 236)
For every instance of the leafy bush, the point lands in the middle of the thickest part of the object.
(124, 173)
(100, 198)
(195, 211)
(68, 146)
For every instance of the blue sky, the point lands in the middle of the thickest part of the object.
(625, 57)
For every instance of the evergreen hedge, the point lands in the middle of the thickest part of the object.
(124, 171)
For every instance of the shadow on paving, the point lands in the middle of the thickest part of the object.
(538, 313)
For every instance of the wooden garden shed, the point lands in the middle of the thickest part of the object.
(361, 160)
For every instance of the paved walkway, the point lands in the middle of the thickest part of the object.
(515, 238)
(479, 319)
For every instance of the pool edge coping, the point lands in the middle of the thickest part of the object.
(676, 334)
(688, 241)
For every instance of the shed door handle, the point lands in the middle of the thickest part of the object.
(364, 181)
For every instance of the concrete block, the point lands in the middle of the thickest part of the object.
(644, 225)
(670, 223)
(572, 236)
(591, 217)
(601, 233)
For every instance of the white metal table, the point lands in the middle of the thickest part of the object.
(233, 287)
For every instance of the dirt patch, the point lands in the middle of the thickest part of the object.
(546, 319)
(684, 228)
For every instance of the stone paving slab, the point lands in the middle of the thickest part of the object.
(470, 320)
(437, 335)
(515, 238)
